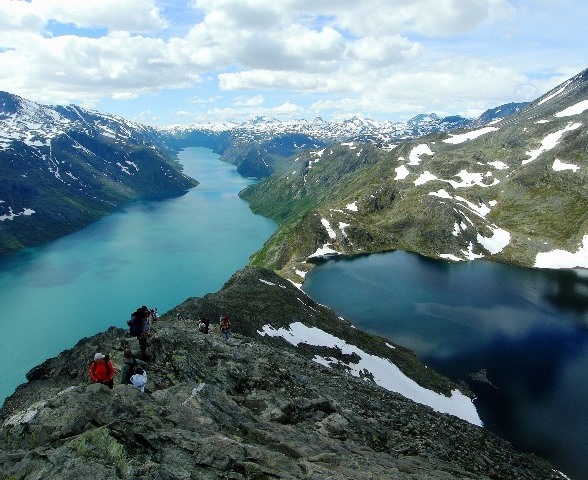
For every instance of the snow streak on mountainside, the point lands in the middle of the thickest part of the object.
(63, 167)
(514, 190)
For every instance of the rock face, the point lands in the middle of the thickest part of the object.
(252, 407)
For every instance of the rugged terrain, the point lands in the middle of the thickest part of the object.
(259, 406)
(496, 192)
(63, 167)
(260, 146)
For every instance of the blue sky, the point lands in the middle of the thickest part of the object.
(164, 62)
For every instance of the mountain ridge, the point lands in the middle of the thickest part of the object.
(268, 403)
(494, 192)
(64, 167)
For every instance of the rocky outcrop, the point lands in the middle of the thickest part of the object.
(253, 407)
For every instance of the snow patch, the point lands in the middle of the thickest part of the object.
(351, 206)
(576, 109)
(401, 172)
(455, 139)
(385, 373)
(549, 142)
(327, 226)
(416, 152)
(563, 258)
(558, 166)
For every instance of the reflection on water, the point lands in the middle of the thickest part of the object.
(525, 328)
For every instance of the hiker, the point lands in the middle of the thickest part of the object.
(204, 325)
(139, 327)
(225, 326)
(139, 378)
(154, 316)
(101, 370)
(128, 366)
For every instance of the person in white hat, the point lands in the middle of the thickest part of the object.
(102, 370)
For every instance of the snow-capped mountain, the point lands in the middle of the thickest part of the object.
(513, 190)
(254, 145)
(384, 132)
(63, 167)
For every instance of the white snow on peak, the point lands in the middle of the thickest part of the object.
(563, 258)
(385, 373)
(455, 139)
(558, 166)
(549, 142)
(576, 109)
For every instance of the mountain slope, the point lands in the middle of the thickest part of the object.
(514, 191)
(64, 167)
(296, 393)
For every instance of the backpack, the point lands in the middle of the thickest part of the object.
(134, 326)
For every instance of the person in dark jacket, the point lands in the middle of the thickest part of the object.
(102, 370)
(128, 366)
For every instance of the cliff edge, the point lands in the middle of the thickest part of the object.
(295, 393)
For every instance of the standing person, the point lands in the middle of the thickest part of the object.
(225, 326)
(101, 370)
(204, 325)
(128, 366)
(139, 327)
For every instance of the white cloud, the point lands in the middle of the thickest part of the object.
(130, 15)
(250, 101)
(388, 59)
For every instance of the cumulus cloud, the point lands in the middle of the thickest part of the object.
(344, 55)
(130, 15)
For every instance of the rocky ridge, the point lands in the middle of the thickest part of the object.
(255, 407)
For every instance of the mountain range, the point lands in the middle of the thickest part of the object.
(64, 167)
(513, 190)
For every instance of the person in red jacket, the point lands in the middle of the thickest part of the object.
(101, 370)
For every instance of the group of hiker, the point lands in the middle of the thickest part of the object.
(133, 370)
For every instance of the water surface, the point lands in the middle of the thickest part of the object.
(151, 252)
(525, 328)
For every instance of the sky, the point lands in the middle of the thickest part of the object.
(168, 62)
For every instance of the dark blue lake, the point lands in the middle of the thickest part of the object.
(155, 253)
(526, 329)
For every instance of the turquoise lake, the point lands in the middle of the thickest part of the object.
(152, 252)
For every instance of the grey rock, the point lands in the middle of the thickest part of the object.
(252, 407)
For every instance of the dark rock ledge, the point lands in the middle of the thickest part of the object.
(252, 408)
